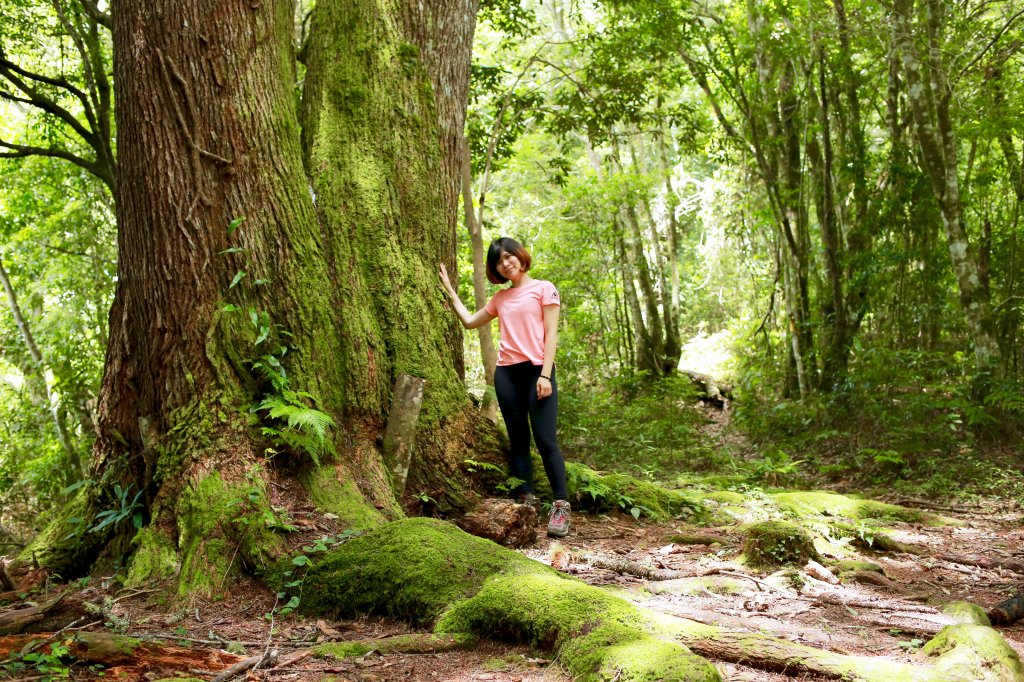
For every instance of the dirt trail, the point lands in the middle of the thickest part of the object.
(888, 618)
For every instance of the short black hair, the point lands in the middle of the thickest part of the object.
(505, 245)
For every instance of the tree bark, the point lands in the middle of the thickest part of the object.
(241, 280)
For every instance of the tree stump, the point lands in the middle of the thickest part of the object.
(778, 543)
(504, 521)
(401, 429)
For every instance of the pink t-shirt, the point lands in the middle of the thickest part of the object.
(520, 313)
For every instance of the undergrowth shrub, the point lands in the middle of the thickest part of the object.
(910, 419)
(635, 424)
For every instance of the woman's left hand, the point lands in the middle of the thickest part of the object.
(543, 388)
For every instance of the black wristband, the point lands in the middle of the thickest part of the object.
(544, 377)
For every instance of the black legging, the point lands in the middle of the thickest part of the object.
(516, 388)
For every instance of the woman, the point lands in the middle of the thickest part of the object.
(524, 379)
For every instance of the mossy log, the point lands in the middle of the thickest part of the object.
(957, 653)
(427, 571)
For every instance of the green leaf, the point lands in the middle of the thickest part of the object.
(233, 225)
(238, 278)
(230, 308)
(635, 511)
(254, 317)
(264, 332)
(233, 249)
(301, 560)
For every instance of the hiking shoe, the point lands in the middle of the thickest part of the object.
(558, 525)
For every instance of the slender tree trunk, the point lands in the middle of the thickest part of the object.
(929, 94)
(488, 353)
(74, 471)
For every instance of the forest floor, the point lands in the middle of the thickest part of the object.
(888, 610)
(889, 617)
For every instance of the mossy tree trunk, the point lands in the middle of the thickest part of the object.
(331, 274)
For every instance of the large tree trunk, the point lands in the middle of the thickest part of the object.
(330, 277)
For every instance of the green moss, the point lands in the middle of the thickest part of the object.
(342, 650)
(154, 557)
(411, 569)
(216, 521)
(777, 543)
(127, 645)
(412, 643)
(340, 497)
(420, 569)
(822, 503)
(974, 652)
(599, 636)
(867, 537)
(726, 497)
(966, 613)
(64, 546)
(713, 584)
(589, 489)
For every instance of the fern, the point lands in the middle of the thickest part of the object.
(298, 426)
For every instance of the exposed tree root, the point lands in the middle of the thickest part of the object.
(627, 567)
(983, 562)
(425, 570)
(417, 643)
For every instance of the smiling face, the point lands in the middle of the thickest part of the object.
(509, 267)
(507, 261)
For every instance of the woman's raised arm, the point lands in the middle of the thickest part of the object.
(469, 321)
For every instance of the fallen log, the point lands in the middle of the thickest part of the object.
(15, 621)
(114, 651)
(710, 390)
(627, 567)
(1008, 612)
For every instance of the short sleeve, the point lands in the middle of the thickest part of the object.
(492, 306)
(549, 295)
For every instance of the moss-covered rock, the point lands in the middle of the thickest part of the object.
(976, 653)
(777, 543)
(589, 489)
(966, 613)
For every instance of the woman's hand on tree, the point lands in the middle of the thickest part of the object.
(446, 283)
(543, 388)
